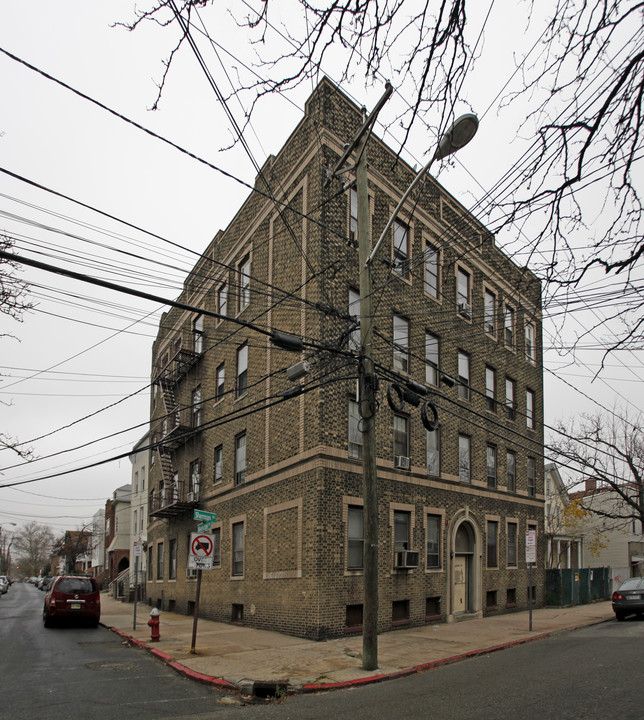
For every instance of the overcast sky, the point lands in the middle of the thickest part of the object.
(78, 368)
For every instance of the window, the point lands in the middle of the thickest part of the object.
(463, 290)
(135, 521)
(219, 463)
(511, 470)
(401, 344)
(431, 359)
(240, 459)
(463, 376)
(141, 519)
(433, 541)
(355, 434)
(196, 407)
(490, 312)
(434, 452)
(197, 331)
(216, 546)
(529, 342)
(355, 538)
(354, 311)
(222, 299)
(150, 563)
(401, 436)
(431, 270)
(532, 476)
(402, 522)
(491, 466)
(195, 472)
(160, 561)
(353, 214)
(510, 404)
(142, 479)
(492, 543)
(401, 248)
(238, 549)
(529, 409)
(490, 389)
(242, 369)
(509, 326)
(244, 283)
(221, 380)
(512, 544)
(464, 443)
(172, 557)
(136, 482)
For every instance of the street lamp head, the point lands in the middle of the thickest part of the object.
(457, 136)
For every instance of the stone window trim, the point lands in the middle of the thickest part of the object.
(239, 519)
(490, 315)
(431, 244)
(512, 521)
(492, 519)
(283, 574)
(408, 224)
(347, 502)
(440, 512)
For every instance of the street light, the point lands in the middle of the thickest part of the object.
(456, 137)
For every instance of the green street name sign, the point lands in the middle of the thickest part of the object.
(204, 516)
(204, 526)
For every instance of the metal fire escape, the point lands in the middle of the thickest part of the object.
(174, 430)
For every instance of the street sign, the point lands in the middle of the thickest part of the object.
(138, 548)
(204, 527)
(531, 546)
(203, 515)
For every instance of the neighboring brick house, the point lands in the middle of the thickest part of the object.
(285, 476)
(117, 533)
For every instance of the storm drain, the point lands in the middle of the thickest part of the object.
(267, 689)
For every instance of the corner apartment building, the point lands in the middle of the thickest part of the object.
(282, 471)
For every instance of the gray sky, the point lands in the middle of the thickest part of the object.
(84, 349)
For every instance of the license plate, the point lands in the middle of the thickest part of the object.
(74, 606)
(634, 597)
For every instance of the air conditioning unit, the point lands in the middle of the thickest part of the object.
(402, 462)
(406, 559)
(465, 309)
(489, 328)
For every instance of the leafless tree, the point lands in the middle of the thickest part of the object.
(582, 80)
(608, 450)
(33, 544)
(73, 544)
(14, 303)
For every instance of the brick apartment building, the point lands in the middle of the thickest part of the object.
(283, 473)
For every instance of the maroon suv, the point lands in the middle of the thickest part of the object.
(71, 597)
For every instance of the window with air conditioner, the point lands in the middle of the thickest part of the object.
(401, 442)
(401, 248)
(489, 302)
(464, 292)
(242, 369)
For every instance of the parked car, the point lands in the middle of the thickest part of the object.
(629, 598)
(4, 585)
(71, 597)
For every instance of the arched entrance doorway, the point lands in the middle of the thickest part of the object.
(463, 563)
(465, 578)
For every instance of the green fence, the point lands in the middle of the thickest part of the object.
(577, 586)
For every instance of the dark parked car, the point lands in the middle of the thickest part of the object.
(70, 597)
(629, 598)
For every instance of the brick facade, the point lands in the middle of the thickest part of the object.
(289, 264)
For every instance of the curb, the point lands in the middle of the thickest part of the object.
(222, 684)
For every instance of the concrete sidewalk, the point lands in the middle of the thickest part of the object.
(259, 661)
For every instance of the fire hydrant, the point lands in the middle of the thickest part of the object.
(154, 622)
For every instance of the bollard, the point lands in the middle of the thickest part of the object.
(154, 622)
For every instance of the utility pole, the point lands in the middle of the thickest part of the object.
(368, 387)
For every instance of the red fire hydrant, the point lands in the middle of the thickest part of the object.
(154, 622)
